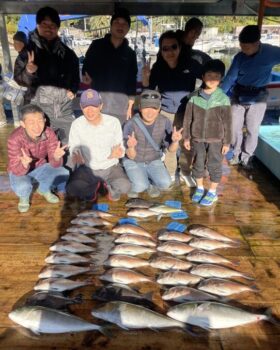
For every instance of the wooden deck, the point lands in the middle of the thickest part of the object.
(248, 209)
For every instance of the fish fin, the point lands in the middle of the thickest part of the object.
(271, 318)
(106, 331)
(159, 217)
(248, 277)
(255, 289)
(235, 262)
(149, 296)
(154, 329)
(35, 331)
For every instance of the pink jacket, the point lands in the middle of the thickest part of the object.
(41, 151)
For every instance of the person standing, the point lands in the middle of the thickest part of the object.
(96, 145)
(34, 153)
(50, 71)
(110, 67)
(246, 82)
(207, 129)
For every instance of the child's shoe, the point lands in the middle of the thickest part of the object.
(23, 204)
(209, 199)
(198, 194)
(49, 197)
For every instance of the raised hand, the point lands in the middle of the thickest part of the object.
(25, 159)
(176, 134)
(131, 141)
(87, 79)
(116, 152)
(59, 151)
(31, 67)
(146, 72)
(187, 145)
(70, 94)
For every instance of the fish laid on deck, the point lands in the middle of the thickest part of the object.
(181, 294)
(224, 287)
(207, 232)
(211, 270)
(52, 300)
(135, 239)
(169, 263)
(64, 271)
(201, 256)
(139, 203)
(126, 261)
(91, 221)
(125, 276)
(86, 230)
(133, 229)
(164, 235)
(59, 284)
(77, 237)
(209, 244)
(95, 214)
(175, 248)
(67, 258)
(72, 247)
(131, 249)
(178, 278)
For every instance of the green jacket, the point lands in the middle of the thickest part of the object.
(208, 120)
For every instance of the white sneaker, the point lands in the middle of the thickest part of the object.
(189, 180)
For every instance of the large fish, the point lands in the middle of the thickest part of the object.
(164, 209)
(169, 263)
(90, 221)
(207, 232)
(86, 230)
(124, 276)
(206, 257)
(67, 258)
(224, 287)
(53, 300)
(133, 229)
(131, 249)
(209, 244)
(173, 236)
(45, 320)
(77, 237)
(138, 203)
(178, 278)
(135, 239)
(72, 247)
(211, 270)
(95, 214)
(141, 213)
(213, 315)
(182, 294)
(122, 292)
(174, 248)
(62, 271)
(59, 284)
(130, 316)
(125, 261)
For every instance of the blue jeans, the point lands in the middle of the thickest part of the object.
(45, 175)
(142, 175)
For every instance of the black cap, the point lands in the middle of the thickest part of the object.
(48, 12)
(122, 13)
(250, 34)
(216, 66)
(20, 36)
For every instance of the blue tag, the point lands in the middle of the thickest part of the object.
(175, 226)
(174, 204)
(123, 221)
(100, 206)
(179, 216)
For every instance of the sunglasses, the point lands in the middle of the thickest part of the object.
(150, 96)
(170, 48)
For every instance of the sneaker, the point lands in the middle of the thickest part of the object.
(197, 196)
(234, 161)
(189, 180)
(153, 192)
(209, 199)
(247, 165)
(49, 197)
(132, 194)
(23, 204)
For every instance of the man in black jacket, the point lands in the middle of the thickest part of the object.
(50, 70)
(110, 67)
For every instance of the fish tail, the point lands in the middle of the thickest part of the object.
(235, 262)
(255, 289)
(248, 277)
(271, 318)
(105, 331)
(159, 217)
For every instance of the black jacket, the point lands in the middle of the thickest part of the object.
(57, 65)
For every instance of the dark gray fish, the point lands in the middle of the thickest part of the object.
(52, 300)
(86, 230)
(138, 203)
(91, 221)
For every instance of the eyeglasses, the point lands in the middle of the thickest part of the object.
(150, 96)
(170, 48)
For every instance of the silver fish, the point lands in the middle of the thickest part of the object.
(178, 278)
(138, 203)
(125, 261)
(95, 214)
(174, 248)
(133, 229)
(223, 287)
(66, 258)
(206, 257)
(169, 263)
(90, 221)
(86, 230)
(213, 315)
(62, 271)
(174, 236)
(140, 213)
(77, 237)
(131, 316)
(164, 209)
(124, 276)
(59, 284)
(73, 247)
(182, 294)
(135, 239)
(45, 320)
(211, 270)
(131, 249)
(207, 232)
(209, 244)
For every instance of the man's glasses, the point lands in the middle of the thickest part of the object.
(170, 48)
(150, 96)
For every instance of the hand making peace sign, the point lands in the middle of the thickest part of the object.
(176, 134)
(146, 72)
(59, 151)
(25, 159)
(31, 67)
(131, 141)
